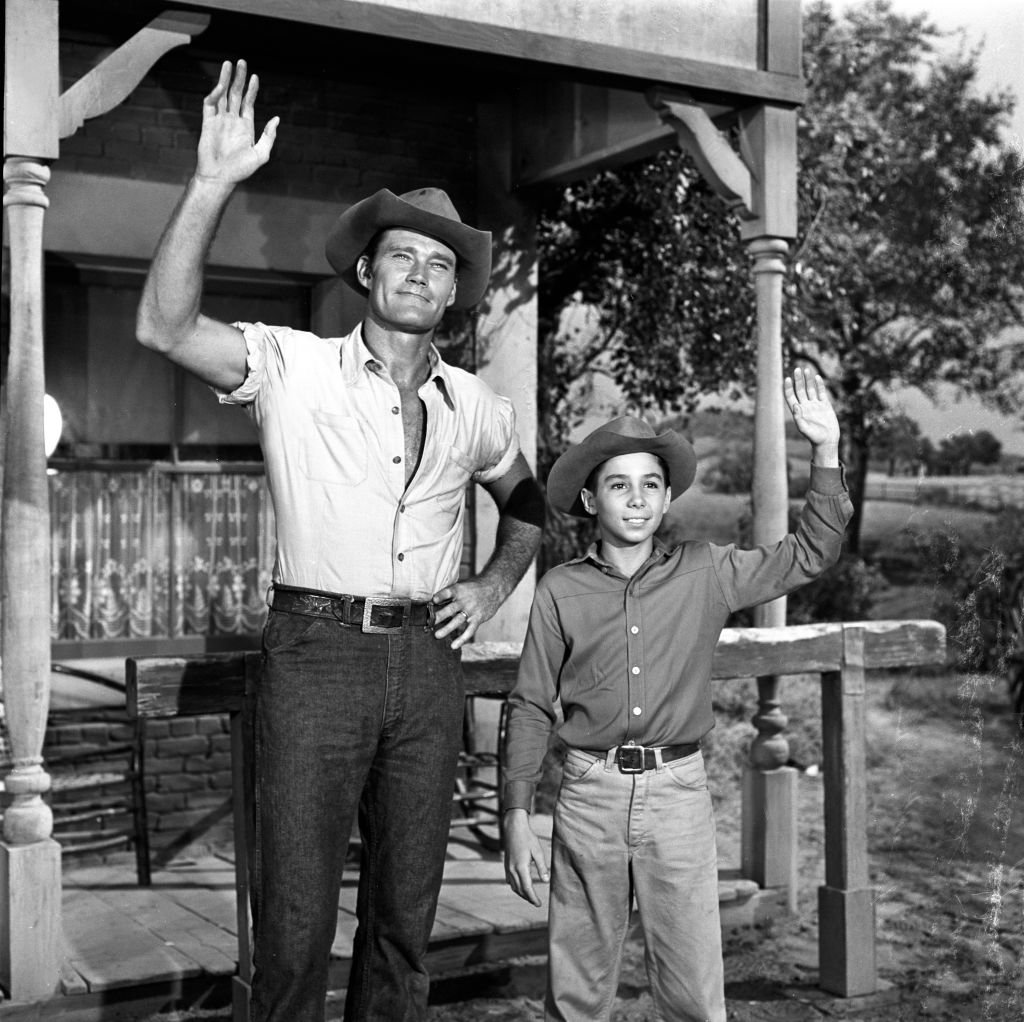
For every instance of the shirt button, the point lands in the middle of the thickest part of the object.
(396, 459)
(401, 557)
(637, 711)
(635, 670)
(401, 508)
(395, 410)
(634, 629)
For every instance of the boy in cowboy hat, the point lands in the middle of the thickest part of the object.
(621, 640)
(370, 441)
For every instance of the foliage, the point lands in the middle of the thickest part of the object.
(980, 579)
(957, 453)
(911, 254)
(733, 470)
(898, 442)
(655, 262)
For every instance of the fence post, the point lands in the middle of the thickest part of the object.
(846, 902)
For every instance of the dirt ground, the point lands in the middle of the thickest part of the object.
(946, 844)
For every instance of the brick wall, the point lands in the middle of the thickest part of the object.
(357, 113)
(187, 766)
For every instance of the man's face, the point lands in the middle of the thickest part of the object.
(629, 498)
(411, 281)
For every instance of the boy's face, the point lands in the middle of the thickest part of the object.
(629, 498)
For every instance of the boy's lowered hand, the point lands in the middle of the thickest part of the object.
(522, 852)
(814, 415)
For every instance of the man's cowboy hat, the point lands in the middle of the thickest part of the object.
(625, 435)
(426, 211)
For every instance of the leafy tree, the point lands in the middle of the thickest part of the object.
(959, 452)
(898, 441)
(651, 262)
(912, 245)
(911, 252)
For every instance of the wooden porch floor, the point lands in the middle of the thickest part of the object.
(131, 951)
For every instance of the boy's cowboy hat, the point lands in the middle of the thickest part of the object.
(624, 435)
(426, 211)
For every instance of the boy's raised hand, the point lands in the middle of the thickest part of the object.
(228, 149)
(813, 413)
(522, 853)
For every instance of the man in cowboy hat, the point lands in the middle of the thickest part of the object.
(622, 640)
(370, 441)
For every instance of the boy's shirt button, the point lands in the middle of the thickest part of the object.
(634, 629)
(637, 711)
(635, 670)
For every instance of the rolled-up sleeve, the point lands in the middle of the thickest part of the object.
(499, 441)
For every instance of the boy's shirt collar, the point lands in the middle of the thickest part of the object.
(593, 554)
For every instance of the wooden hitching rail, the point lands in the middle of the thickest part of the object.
(840, 653)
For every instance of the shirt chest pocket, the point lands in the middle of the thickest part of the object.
(334, 450)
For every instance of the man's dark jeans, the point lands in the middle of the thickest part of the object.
(348, 720)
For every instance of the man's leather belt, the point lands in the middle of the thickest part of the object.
(635, 759)
(374, 614)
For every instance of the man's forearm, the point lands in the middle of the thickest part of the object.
(169, 307)
(515, 547)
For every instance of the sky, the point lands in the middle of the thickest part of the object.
(998, 25)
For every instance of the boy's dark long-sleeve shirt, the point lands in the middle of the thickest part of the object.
(629, 659)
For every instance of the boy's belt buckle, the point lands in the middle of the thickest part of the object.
(631, 759)
(377, 601)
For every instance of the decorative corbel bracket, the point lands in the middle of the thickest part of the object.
(114, 77)
(720, 165)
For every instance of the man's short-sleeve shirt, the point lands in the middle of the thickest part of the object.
(330, 424)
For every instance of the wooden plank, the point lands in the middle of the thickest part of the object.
(206, 889)
(753, 652)
(490, 667)
(212, 949)
(185, 686)
(902, 643)
(620, 65)
(128, 953)
(482, 892)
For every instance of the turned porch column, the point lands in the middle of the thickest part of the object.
(759, 184)
(29, 857)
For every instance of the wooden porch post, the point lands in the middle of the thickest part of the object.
(846, 901)
(759, 185)
(36, 117)
(30, 882)
(29, 858)
(769, 834)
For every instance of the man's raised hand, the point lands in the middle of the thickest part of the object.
(227, 151)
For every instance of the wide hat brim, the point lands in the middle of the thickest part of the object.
(626, 435)
(356, 227)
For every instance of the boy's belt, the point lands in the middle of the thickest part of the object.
(635, 759)
(375, 614)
